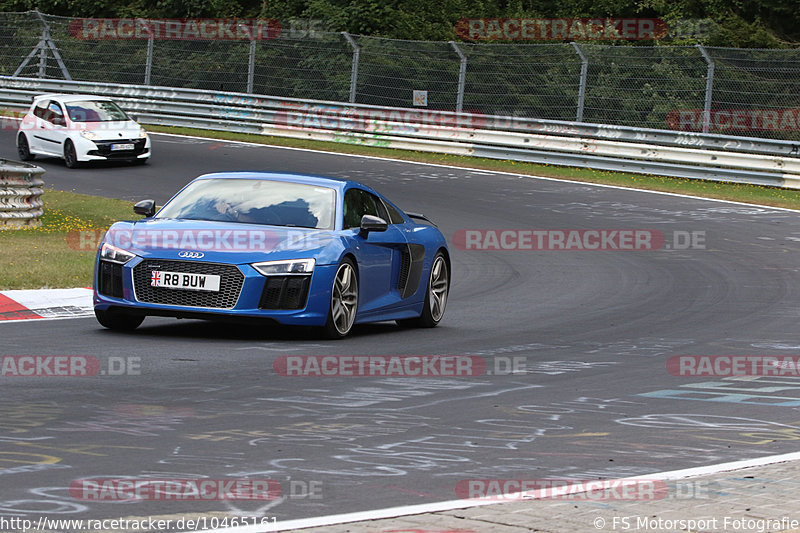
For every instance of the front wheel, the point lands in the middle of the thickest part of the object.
(435, 296)
(344, 301)
(23, 148)
(70, 155)
(118, 320)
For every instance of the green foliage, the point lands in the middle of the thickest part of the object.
(738, 23)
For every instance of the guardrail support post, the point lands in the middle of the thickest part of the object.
(354, 71)
(462, 77)
(582, 86)
(709, 87)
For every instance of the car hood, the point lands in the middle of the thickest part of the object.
(222, 242)
(123, 129)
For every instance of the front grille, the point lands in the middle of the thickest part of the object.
(104, 148)
(231, 281)
(110, 279)
(284, 292)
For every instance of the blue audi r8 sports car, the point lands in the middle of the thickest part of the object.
(293, 249)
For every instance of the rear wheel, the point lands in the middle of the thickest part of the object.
(118, 320)
(435, 296)
(70, 155)
(344, 301)
(23, 148)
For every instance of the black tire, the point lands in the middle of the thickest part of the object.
(435, 296)
(70, 156)
(344, 301)
(24, 149)
(118, 320)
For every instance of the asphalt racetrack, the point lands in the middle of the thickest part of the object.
(590, 330)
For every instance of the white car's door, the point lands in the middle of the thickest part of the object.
(35, 125)
(56, 130)
(51, 130)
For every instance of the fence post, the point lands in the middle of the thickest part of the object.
(462, 77)
(251, 66)
(43, 56)
(709, 87)
(148, 66)
(251, 60)
(582, 87)
(45, 43)
(354, 71)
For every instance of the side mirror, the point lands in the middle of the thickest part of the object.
(58, 121)
(371, 223)
(146, 208)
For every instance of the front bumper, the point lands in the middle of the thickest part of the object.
(102, 150)
(122, 287)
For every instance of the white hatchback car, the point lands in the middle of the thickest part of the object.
(80, 128)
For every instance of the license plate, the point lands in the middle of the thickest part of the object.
(123, 146)
(182, 280)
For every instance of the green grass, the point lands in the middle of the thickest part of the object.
(55, 255)
(753, 194)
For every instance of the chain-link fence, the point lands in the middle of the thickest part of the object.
(693, 88)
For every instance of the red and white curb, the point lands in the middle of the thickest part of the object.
(45, 304)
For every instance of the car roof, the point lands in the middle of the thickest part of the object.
(70, 97)
(307, 179)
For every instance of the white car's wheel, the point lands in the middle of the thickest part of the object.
(70, 155)
(23, 148)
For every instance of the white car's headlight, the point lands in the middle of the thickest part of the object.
(86, 134)
(290, 266)
(143, 133)
(114, 254)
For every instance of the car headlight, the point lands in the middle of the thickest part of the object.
(86, 134)
(290, 266)
(142, 134)
(114, 254)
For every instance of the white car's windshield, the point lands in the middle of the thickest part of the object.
(95, 111)
(276, 203)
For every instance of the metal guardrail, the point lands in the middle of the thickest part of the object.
(663, 152)
(20, 194)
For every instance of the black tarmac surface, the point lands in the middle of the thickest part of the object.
(591, 332)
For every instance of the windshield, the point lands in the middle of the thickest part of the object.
(254, 201)
(95, 111)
